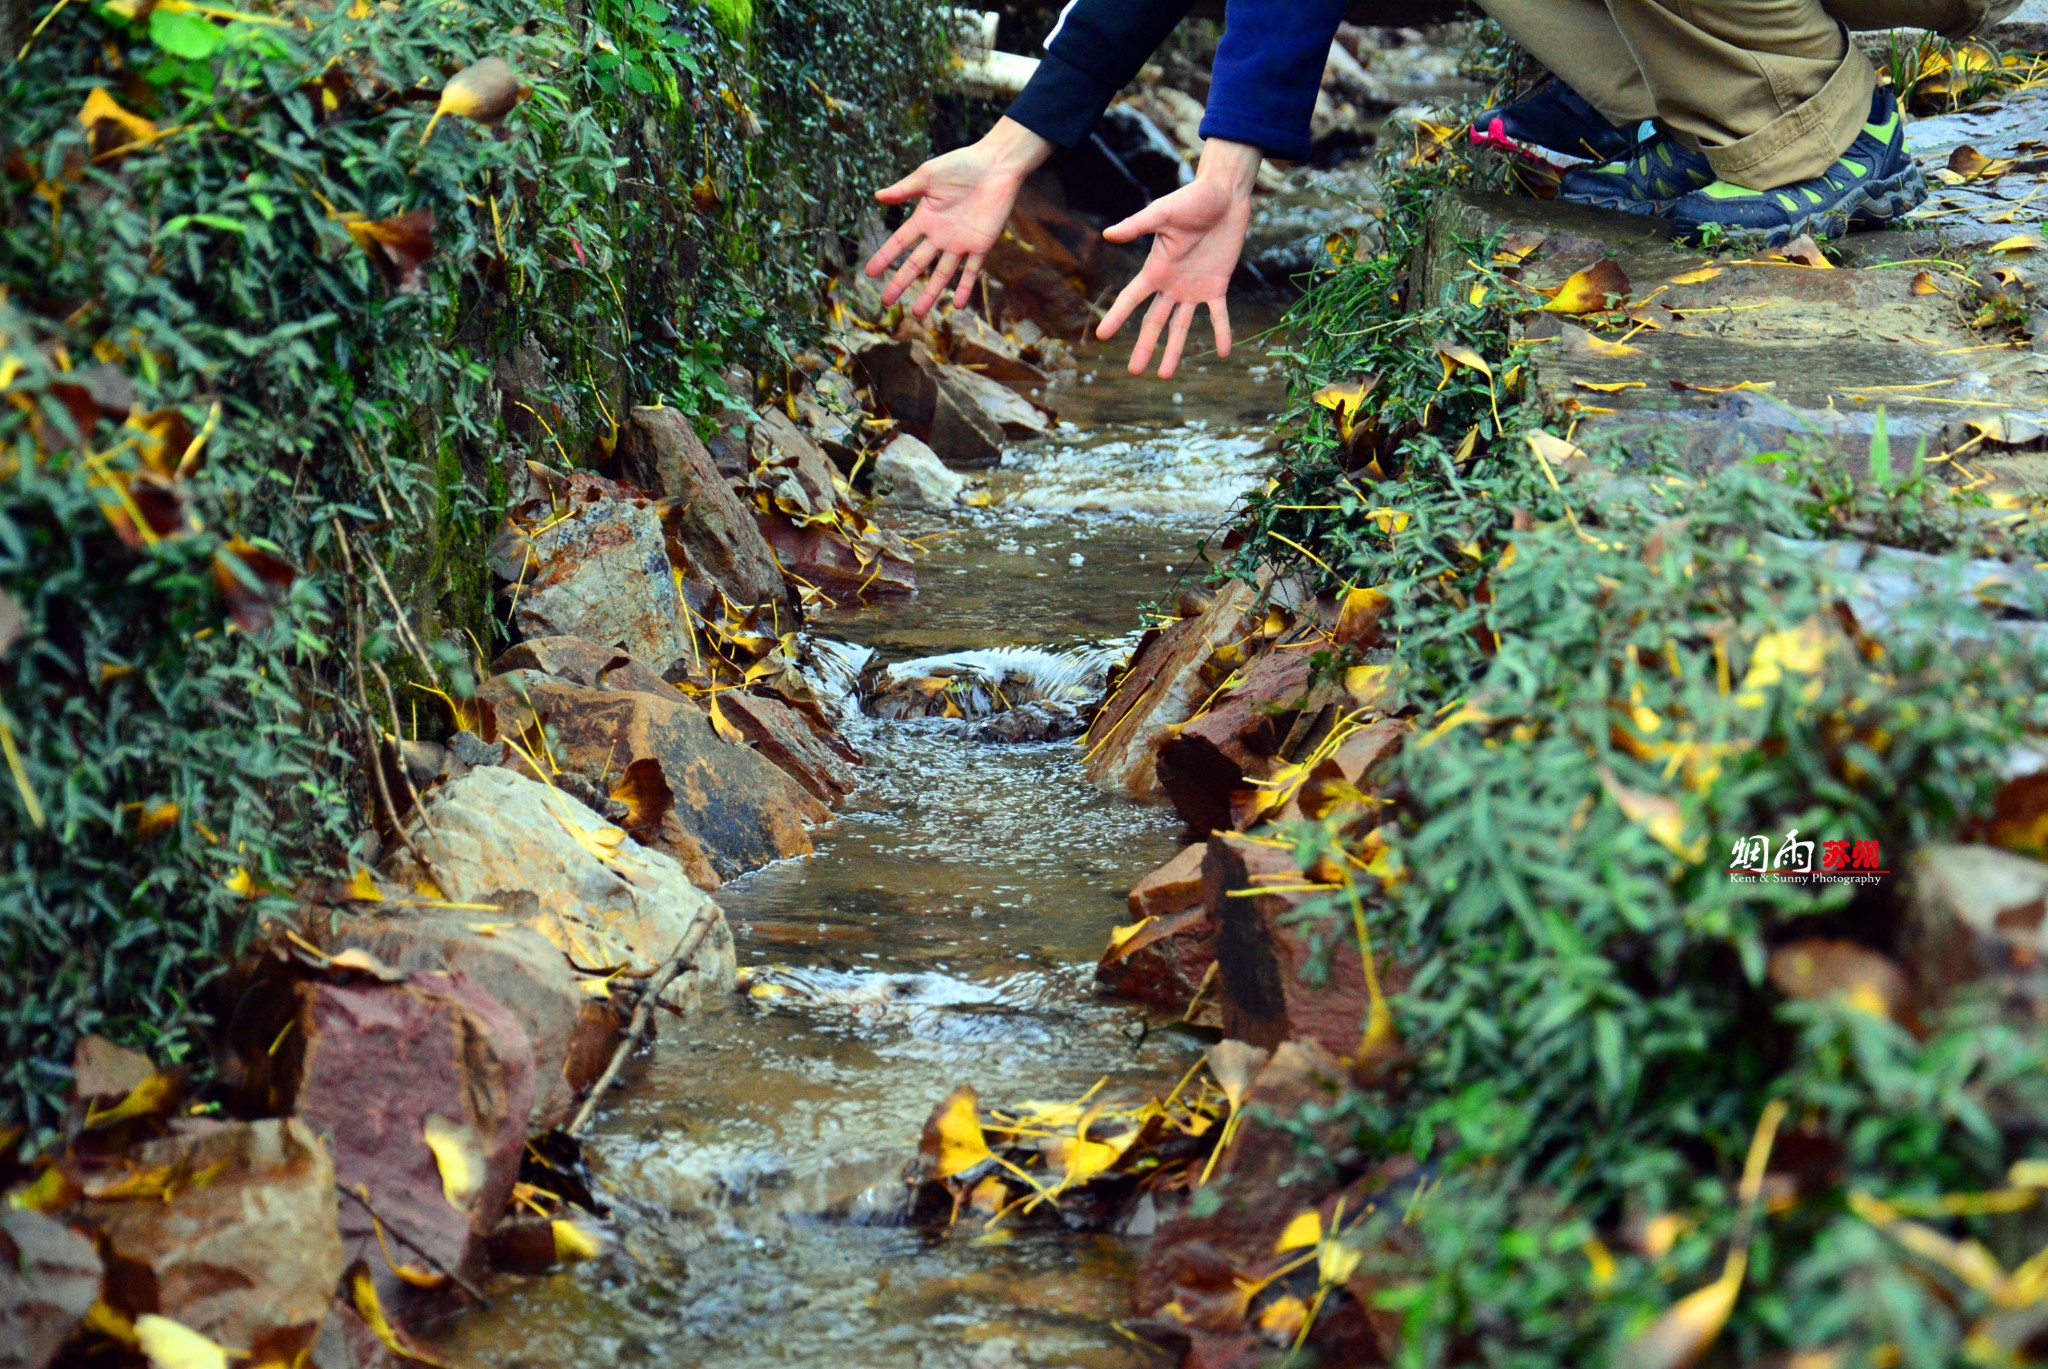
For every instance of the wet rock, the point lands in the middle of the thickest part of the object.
(943, 405)
(248, 1258)
(726, 809)
(1332, 787)
(973, 342)
(1145, 152)
(1041, 720)
(710, 534)
(347, 1342)
(1195, 1260)
(572, 1033)
(603, 903)
(49, 1280)
(1017, 416)
(101, 1069)
(1262, 954)
(731, 443)
(1164, 961)
(602, 573)
(822, 764)
(1174, 887)
(1166, 681)
(910, 475)
(836, 567)
(780, 445)
(579, 662)
(1042, 277)
(420, 1091)
(1975, 913)
(829, 411)
(1205, 763)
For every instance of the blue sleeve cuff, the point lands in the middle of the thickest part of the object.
(1282, 142)
(1061, 103)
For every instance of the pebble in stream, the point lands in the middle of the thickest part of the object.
(943, 933)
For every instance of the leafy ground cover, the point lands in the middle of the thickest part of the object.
(1660, 1108)
(287, 297)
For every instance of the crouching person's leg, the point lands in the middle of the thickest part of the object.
(1785, 111)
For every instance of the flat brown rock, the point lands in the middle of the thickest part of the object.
(602, 573)
(1174, 887)
(1164, 962)
(1160, 689)
(1204, 763)
(249, 1258)
(711, 534)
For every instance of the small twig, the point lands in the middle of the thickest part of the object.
(443, 1270)
(398, 749)
(404, 623)
(369, 722)
(643, 1013)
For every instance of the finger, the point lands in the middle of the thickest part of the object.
(1148, 337)
(933, 288)
(964, 296)
(1127, 302)
(1219, 319)
(908, 273)
(899, 242)
(1177, 337)
(909, 188)
(1150, 219)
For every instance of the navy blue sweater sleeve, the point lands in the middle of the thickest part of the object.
(1268, 70)
(1092, 53)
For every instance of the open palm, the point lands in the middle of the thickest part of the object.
(963, 201)
(1198, 234)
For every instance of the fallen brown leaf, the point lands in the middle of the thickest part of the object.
(398, 246)
(1602, 285)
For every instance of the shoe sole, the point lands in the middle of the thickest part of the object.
(1874, 203)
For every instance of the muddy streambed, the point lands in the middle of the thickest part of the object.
(944, 932)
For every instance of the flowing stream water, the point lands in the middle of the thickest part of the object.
(943, 933)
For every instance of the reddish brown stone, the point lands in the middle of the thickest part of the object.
(248, 1258)
(733, 810)
(1207, 761)
(1164, 963)
(1261, 954)
(1043, 278)
(581, 662)
(1165, 682)
(369, 1067)
(572, 1033)
(816, 557)
(779, 733)
(973, 342)
(1174, 887)
(711, 533)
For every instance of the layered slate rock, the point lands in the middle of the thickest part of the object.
(49, 1280)
(717, 807)
(711, 534)
(248, 1258)
(599, 897)
(602, 572)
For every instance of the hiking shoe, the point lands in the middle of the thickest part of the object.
(1553, 117)
(1649, 178)
(1875, 181)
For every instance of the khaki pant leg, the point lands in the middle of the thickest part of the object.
(1578, 42)
(1771, 90)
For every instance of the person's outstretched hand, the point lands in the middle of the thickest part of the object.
(1198, 233)
(963, 200)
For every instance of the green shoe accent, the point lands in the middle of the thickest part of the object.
(1855, 168)
(1723, 190)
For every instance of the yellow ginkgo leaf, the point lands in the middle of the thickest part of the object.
(1697, 276)
(2023, 242)
(1455, 354)
(723, 725)
(1552, 448)
(484, 91)
(953, 1143)
(1119, 935)
(1233, 1065)
(1656, 814)
(459, 1158)
(1603, 285)
(1610, 387)
(1336, 1262)
(1795, 651)
(1359, 615)
(362, 887)
(1346, 399)
(1305, 1230)
(171, 1344)
(1283, 1317)
(241, 883)
(363, 1292)
(112, 128)
(1683, 1331)
(577, 1240)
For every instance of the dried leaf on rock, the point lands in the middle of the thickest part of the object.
(1818, 968)
(171, 1344)
(1359, 615)
(1801, 251)
(1604, 285)
(112, 128)
(1697, 276)
(251, 580)
(2023, 242)
(1517, 247)
(1455, 354)
(1682, 1332)
(953, 1143)
(1925, 284)
(459, 1157)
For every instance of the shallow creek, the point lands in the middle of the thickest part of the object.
(944, 933)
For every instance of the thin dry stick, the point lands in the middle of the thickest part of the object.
(368, 717)
(398, 750)
(404, 623)
(443, 1270)
(642, 1015)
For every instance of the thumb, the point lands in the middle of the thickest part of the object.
(909, 188)
(1150, 219)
